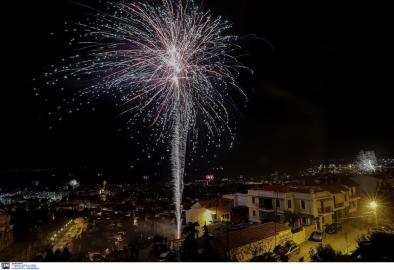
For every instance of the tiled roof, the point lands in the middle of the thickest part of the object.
(245, 236)
(219, 202)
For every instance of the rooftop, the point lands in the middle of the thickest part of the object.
(248, 235)
(219, 203)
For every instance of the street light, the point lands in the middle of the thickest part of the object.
(374, 206)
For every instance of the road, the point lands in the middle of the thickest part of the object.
(344, 241)
(69, 232)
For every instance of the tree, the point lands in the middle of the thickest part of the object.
(326, 254)
(189, 249)
(66, 255)
(267, 257)
(291, 218)
(208, 253)
(49, 256)
(377, 247)
(58, 255)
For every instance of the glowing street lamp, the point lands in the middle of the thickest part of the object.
(374, 206)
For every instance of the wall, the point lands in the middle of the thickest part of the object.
(200, 215)
(299, 237)
(248, 252)
(309, 230)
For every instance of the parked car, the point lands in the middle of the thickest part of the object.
(333, 228)
(288, 249)
(167, 256)
(376, 229)
(267, 257)
(316, 236)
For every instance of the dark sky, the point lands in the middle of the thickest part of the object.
(322, 91)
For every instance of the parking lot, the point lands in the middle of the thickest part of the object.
(344, 241)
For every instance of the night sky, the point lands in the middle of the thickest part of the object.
(321, 89)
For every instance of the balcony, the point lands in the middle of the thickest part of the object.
(339, 205)
(266, 207)
(324, 210)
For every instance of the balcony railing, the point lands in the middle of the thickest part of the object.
(265, 206)
(324, 210)
(338, 205)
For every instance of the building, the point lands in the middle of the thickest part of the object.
(5, 230)
(206, 212)
(240, 199)
(316, 204)
(245, 243)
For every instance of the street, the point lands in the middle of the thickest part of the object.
(344, 241)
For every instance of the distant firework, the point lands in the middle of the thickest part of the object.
(366, 161)
(73, 183)
(171, 66)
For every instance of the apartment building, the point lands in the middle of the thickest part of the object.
(319, 204)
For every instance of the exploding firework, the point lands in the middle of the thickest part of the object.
(73, 183)
(171, 66)
(367, 161)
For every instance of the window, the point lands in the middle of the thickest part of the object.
(267, 204)
(277, 203)
(288, 203)
(303, 220)
(253, 200)
(254, 213)
(322, 219)
(302, 204)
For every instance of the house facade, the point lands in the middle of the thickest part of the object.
(206, 212)
(321, 204)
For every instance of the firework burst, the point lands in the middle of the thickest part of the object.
(170, 65)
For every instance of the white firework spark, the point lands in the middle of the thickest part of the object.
(170, 65)
(367, 161)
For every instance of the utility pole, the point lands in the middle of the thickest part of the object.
(376, 218)
(277, 195)
(347, 244)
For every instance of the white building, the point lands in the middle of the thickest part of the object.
(240, 199)
(320, 205)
